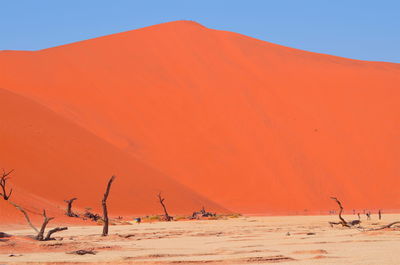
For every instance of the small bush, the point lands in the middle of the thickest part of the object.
(154, 218)
(234, 215)
(177, 218)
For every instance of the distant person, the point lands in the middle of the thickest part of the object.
(380, 214)
(368, 214)
(138, 220)
(359, 217)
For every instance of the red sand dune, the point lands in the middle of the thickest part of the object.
(55, 160)
(254, 126)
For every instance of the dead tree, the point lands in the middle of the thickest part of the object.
(357, 222)
(69, 207)
(3, 184)
(342, 221)
(104, 203)
(40, 235)
(46, 220)
(166, 215)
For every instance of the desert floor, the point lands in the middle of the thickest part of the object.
(243, 240)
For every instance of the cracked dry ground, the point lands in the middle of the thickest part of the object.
(244, 240)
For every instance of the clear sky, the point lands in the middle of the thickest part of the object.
(359, 29)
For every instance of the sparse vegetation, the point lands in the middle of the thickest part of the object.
(180, 217)
(155, 217)
(202, 213)
(235, 215)
(101, 220)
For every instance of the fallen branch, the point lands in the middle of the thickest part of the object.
(4, 235)
(83, 252)
(54, 230)
(385, 226)
(92, 216)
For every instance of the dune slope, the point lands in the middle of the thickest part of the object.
(257, 127)
(54, 159)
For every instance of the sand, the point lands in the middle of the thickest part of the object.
(244, 124)
(243, 240)
(55, 160)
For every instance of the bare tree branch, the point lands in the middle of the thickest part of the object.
(54, 230)
(25, 215)
(3, 184)
(104, 203)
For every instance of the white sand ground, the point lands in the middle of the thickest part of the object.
(243, 240)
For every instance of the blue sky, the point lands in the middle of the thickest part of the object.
(359, 29)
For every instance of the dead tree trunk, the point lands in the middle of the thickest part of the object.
(3, 184)
(104, 203)
(342, 221)
(69, 207)
(166, 215)
(46, 220)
